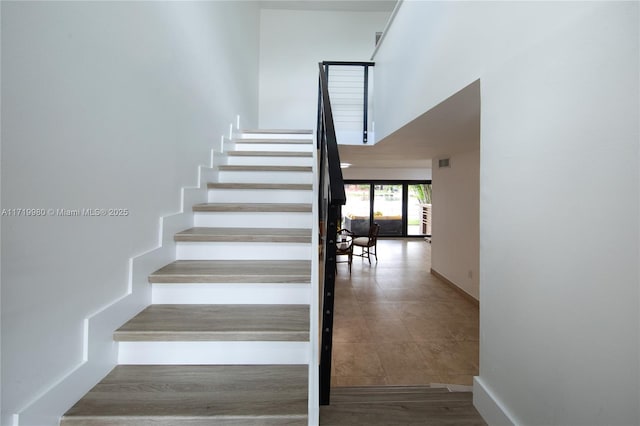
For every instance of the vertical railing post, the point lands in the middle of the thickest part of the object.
(365, 119)
(328, 305)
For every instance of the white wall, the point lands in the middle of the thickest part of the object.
(104, 105)
(455, 244)
(559, 279)
(386, 173)
(292, 42)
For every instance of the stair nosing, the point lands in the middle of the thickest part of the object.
(274, 141)
(301, 154)
(264, 168)
(214, 272)
(261, 186)
(227, 279)
(210, 336)
(253, 207)
(249, 235)
(278, 131)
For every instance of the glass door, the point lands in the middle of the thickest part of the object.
(401, 208)
(387, 209)
(356, 213)
(419, 209)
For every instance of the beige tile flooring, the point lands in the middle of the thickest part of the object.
(397, 324)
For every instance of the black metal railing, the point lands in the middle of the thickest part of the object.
(348, 85)
(331, 197)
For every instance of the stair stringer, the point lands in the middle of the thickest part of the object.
(99, 350)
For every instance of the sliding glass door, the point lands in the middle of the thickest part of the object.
(387, 209)
(401, 208)
(356, 213)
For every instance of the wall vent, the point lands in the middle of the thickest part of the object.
(443, 162)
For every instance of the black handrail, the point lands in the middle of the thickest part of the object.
(365, 90)
(331, 197)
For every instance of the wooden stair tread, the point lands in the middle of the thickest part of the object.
(195, 395)
(269, 154)
(406, 405)
(284, 186)
(279, 131)
(371, 394)
(243, 168)
(264, 235)
(252, 207)
(275, 141)
(234, 271)
(218, 323)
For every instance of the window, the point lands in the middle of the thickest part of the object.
(401, 208)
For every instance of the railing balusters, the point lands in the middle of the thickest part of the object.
(344, 132)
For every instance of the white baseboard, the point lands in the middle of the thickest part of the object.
(489, 406)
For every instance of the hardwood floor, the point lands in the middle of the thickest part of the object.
(397, 324)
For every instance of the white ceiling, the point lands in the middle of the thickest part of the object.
(343, 5)
(450, 127)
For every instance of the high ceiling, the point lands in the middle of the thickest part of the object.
(450, 127)
(344, 5)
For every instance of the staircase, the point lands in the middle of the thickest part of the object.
(226, 340)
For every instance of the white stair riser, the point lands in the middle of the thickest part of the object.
(274, 147)
(219, 195)
(252, 220)
(232, 294)
(242, 251)
(226, 176)
(208, 353)
(270, 161)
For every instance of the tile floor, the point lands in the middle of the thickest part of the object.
(397, 324)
